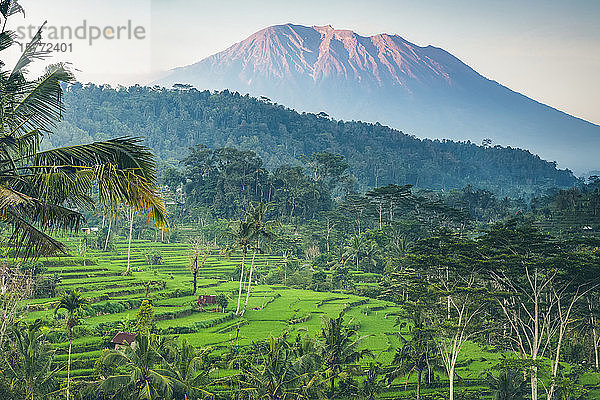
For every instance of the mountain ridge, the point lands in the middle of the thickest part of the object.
(172, 121)
(425, 91)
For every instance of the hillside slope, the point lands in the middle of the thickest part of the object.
(425, 91)
(172, 121)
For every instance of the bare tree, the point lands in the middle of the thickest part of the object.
(539, 309)
(461, 321)
(15, 286)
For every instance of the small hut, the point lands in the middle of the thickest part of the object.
(122, 339)
(206, 300)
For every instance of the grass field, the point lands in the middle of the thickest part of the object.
(273, 309)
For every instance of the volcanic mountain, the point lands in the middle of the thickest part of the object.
(424, 91)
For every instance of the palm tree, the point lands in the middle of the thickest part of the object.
(355, 249)
(417, 355)
(373, 384)
(276, 377)
(242, 235)
(262, 233)
(41, 190)
(198, 258)
(140, 376)
(508, 385)
(33, 368)
(191, 371)
(74, 305)
(339, 347)
(371, 254)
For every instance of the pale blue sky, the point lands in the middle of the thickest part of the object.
(548, 50)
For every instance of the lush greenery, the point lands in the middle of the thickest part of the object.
(278, 279)
(174, 120)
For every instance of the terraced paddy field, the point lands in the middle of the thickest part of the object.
(273, 309)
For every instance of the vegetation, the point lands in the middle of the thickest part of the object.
(73, 303)
(174, 120)
(392, 291)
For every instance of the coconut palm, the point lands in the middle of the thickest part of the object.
(418, 355)
(140, 375)
(242, 234)
(373, 384)
(508, 385)
(275, 375)
(339, 347)
(74, 305)
(31, 366)
(191, 371)
(372, 253)
(40, 191)
(262, 234)
(355, 249)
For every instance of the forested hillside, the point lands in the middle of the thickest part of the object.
(174, 120)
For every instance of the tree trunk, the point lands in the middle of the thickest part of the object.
(451, 378)
(555, 365)
(237, 311)
(596, 347)
(69, 368)
(108, 234)
(534, 388)
(249, 283)
(195, 275)
(419, 385)
(129, 245)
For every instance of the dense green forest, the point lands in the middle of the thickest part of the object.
(171, 121)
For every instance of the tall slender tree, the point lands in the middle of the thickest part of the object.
(242, 233)
(197, 259)
(262, 234)
(73, 303)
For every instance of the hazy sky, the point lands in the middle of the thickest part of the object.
(548, 50)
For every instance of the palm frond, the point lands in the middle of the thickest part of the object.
(123, 152)
(20, 144)
(123, 169)
(63, 185)
(125, 186)
(32, 51)
(47, 216)
(27, 241)
(38, 104)
(10, 7)
(6, 40)
(115, 383)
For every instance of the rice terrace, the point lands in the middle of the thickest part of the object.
(312, 212)
(273, 309)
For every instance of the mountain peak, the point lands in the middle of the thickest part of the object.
(324, 27)
(385, 78)
(323, 53)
